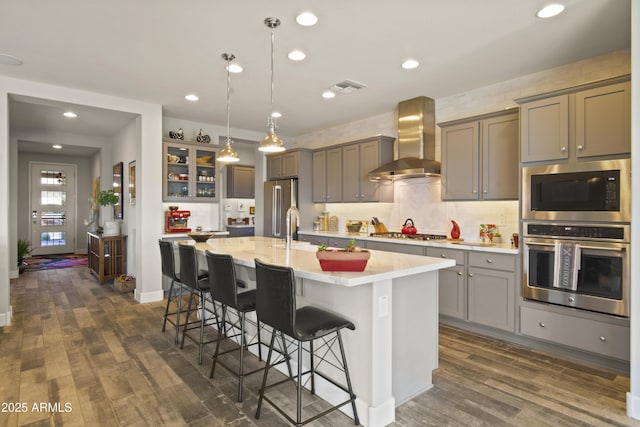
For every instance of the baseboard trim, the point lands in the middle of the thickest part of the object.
(145, 297)
(633, 406)
(5, 318)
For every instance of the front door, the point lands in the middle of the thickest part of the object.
(53, 207)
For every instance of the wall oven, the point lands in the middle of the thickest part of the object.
(585, 191)
(583, 266)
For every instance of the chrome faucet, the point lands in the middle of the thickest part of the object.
(291, 225)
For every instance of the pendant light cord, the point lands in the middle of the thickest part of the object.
(272, 61)
(228, 100)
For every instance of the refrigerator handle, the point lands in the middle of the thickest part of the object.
(277, 207)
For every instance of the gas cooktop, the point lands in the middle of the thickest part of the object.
(394, 235)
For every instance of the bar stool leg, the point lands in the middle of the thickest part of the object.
(166, 310)
(346, 374)
(186, 321)
(299, 388)
(313, 369)
(222, 334)
(243, 343)
(286, 355)
(178, 312)
(266, 372)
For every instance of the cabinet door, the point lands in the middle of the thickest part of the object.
(545, 129)
(274, 167)
(460, 162)
(603, 121)
(334, 175)
(290, 164)
(395, 247)
(451, 291)
(319, 182)
(369, 159)
(314, 240)
(240, 182)
(490, 298)
(350, 174)
(500, 158)
(203, 171)
(176, 178)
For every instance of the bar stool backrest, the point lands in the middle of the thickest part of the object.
(188, 265)
(276, 297)
(168, 260)
(222, 279)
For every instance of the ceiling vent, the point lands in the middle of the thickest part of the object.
(347, 86)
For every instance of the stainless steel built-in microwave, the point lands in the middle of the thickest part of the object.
(587, 191)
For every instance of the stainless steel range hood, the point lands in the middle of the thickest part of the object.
(416, 142)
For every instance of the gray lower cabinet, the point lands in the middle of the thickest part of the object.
(241, 231)
(395, 247)
(313, 239)
(491, 290)
(586, 334)
(340, 242)
(451, 282)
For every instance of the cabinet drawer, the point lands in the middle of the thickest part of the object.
(395, 247)
(492, 260)
(447, 253)
(590, 335)
(314, 240)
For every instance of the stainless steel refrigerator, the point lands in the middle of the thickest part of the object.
(279, 196)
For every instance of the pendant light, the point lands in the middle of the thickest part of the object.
(228, 154)
(272, 142)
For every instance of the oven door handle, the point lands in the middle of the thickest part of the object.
(603, 248)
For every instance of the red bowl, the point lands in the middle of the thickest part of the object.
(341, 260)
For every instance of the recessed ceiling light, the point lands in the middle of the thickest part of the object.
(276, 114)
(307, 19)
(410, 64)
(327, 94)
(70, 114)
(57, 146)
(235, 68)
(6, 59)
(550, 10)
(296, 55)
(191, 97)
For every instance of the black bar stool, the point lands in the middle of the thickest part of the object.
(276, 307)
(175, 290)
(223, 286)
(198, 283)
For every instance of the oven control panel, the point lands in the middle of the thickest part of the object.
(582, 231)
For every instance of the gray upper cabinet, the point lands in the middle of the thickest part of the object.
(283, 165)
(241, 182)
(327, 175)
(589, 121)
(358, 159)
(480, 158)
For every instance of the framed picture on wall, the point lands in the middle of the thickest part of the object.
(117, 188)
(132, 182)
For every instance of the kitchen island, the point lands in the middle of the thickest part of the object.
(393, 303)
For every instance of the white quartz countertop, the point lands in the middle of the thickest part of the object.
(505, 248)
(301, 257)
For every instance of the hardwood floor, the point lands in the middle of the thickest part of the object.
(78, 353)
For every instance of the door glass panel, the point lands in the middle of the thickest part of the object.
(57, 198)
(53, 238)
(49, 219)
(540, 268)
(52, 177)
(600, 276)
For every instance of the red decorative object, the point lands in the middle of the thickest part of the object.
(455, 231)
(340, 260)
(408, 227)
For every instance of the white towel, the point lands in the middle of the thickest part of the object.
(566, 265)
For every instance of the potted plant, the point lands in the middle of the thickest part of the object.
(109, 198)
(24, 249)
(351, 258)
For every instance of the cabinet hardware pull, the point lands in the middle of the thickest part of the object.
(474, 191)
(580, 147)
(443, 256)
(459, 273)
(484, 191)
(542, 325)
(603, 339)
(489, 261)
(563, 149)
(470, 274)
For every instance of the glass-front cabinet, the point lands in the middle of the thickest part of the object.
(189, 172)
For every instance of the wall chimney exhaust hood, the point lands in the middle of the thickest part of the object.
(416, 142)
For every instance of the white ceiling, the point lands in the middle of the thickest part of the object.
(160, 50)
